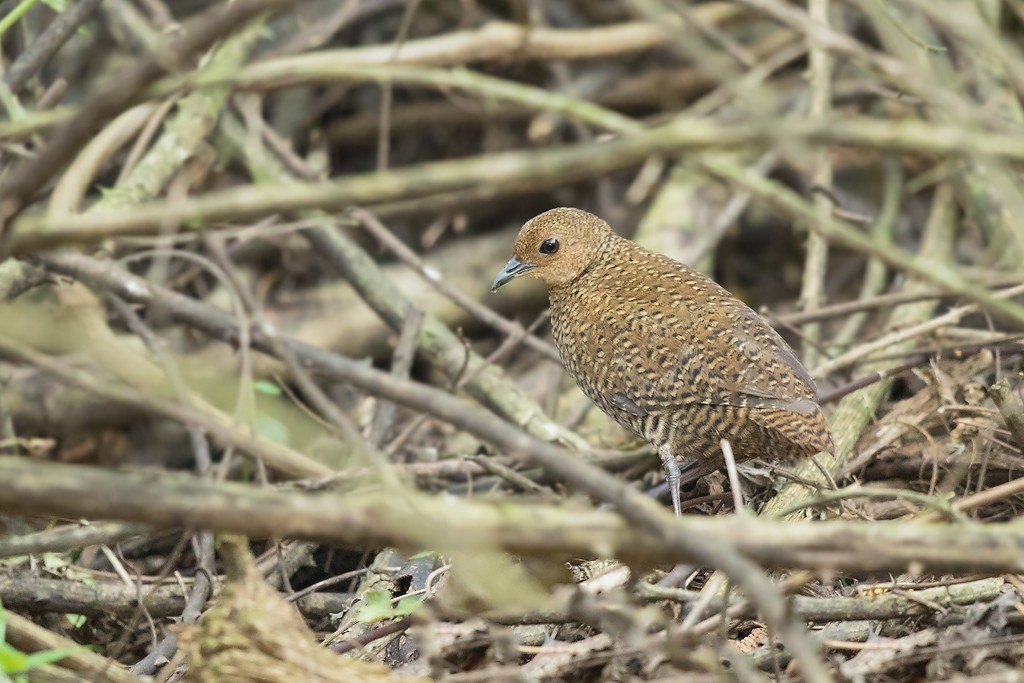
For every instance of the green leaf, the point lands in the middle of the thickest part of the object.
(11, 660)
(266, 387)
(422, 554)
(407, 605)
(77, 620)
(376, 607)
(56, 5)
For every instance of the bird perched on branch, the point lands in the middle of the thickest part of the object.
(666, 351)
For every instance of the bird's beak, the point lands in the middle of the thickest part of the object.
(513, 269)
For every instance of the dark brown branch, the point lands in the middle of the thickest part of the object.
(40, 50)
(106, 598)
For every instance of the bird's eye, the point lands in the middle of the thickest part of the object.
(549, 246)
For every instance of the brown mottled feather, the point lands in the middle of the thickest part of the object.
(666, 351)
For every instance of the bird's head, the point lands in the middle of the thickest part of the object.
(557, 246)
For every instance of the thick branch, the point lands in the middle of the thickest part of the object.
(169, 501)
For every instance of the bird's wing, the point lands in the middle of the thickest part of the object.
(739, 361)
(771, 383)
(755, 366)
(627, 405)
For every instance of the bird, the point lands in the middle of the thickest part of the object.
(666, 351)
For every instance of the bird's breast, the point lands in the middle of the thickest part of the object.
(616, 345)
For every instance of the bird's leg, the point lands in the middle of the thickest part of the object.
(673, 475)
